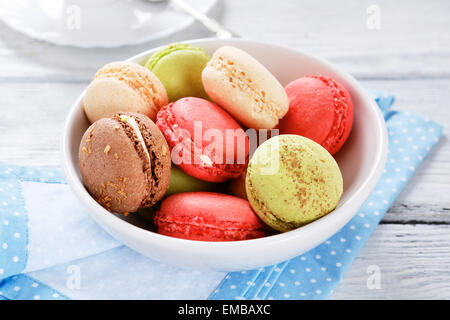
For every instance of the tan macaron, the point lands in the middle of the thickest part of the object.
(123, 87)
(245, 88)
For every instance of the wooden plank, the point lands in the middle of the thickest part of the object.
(413, 262)
(406, 46)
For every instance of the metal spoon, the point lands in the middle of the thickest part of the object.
(211, 24)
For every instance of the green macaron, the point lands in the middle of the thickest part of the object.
(181, 182)
(291, 181)
(179, 66)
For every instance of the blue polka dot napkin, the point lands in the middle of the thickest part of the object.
(50, 248)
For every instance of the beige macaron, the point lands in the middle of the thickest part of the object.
(123, 87)
(245, 88)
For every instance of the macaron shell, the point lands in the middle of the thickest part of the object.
(159, 152)
(123, 87)
(179, 68)
(179, 119)
(110, 167)
(208, 216)
(291, 181)
(245, 88)
(320, 109)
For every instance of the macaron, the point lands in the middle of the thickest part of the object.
(123, 86)
(125, 162)
(182, 182)
(320, 109)
(207, 216)
(179, 66)
(291, 181)
(205, 141)
(236, 186)
(245, 88)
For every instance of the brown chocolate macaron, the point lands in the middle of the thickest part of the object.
(125, 162)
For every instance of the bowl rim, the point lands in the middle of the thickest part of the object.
(332, 221)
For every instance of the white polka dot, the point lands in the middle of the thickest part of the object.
(232, 286)
(318, 292)
(5, 203)
(17, 214)
(302, 294)
(16, 235)
(15, 259)
(338, 264)
(333, 252)
(16, 288)
(328, 242)
(297, 283)
(361, 215)
(287, 295)
(308, 270)
(348, 250)
(329, 279)
(406, 158)
(396, 141)
(397, 170)
(277, 269)
(313, 280)
(411, 168)
(392, 161)
(385, 201)
(394, 190)
(35, 285)
(281, 284)
(380, 191)
(302, 258)
(318, 256)
(367, 225)
(267, 284)
(415, 147)
(271, 298)
(403, 179)
(323, 269)
(5, 245)
(5, 222)
(37, 297)
(1, 271)
(343, 240)
(55, 295)
(358, 238)
(388, 180)
(352, 227)
(292, 271)
(370, 204)
(244, 272)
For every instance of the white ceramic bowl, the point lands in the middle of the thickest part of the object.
(361, 161)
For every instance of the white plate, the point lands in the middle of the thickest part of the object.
(361, 161)
(97, 23)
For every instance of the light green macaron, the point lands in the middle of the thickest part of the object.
(182, 182)
(291, 181)
(179, 66)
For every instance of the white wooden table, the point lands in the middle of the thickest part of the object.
(408, 56)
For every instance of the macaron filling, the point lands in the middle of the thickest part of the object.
(133, 124)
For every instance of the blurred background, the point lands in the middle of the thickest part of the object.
(51, 49)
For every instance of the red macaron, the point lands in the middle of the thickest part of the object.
(320, 109)
(205, 141)
(208, 216)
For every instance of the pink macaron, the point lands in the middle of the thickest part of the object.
(205, 141)
(208, 216)
(320, 109)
